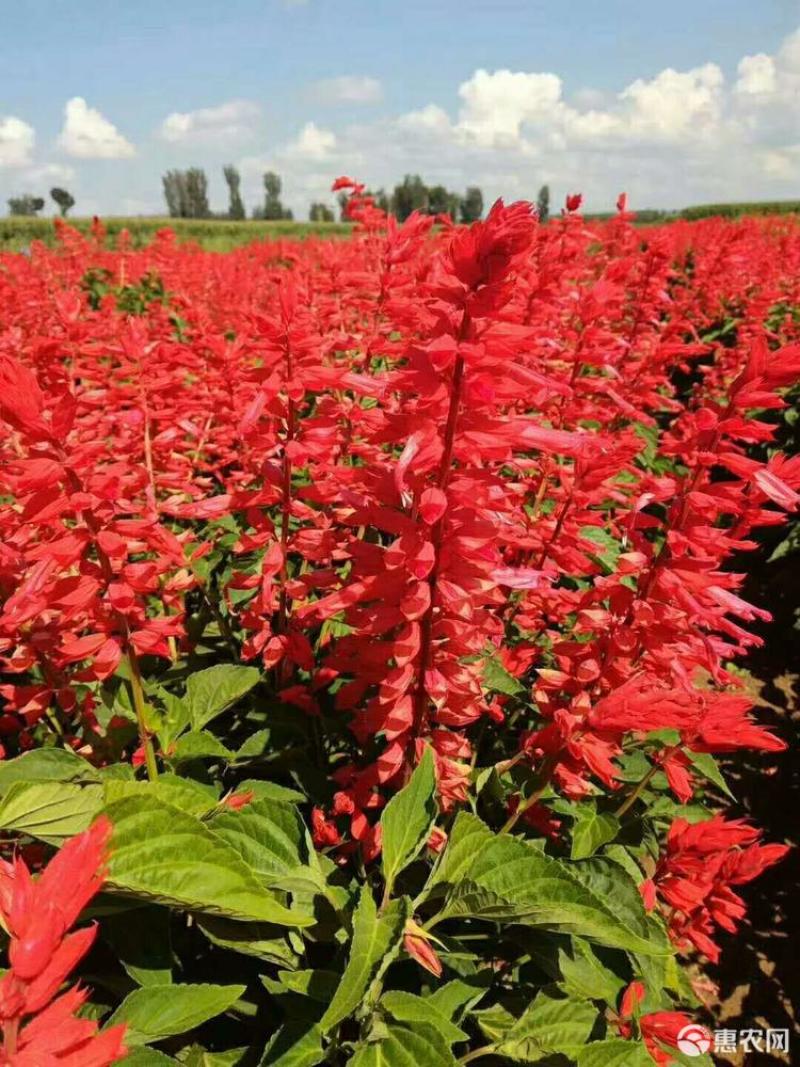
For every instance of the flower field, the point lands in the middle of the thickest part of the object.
(370, 626)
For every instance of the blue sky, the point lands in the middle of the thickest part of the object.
(676, 103)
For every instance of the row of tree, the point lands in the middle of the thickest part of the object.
(186, 194)
(31, 205)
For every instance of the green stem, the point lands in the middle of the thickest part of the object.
(545, 774)
(140, 706)
(478, 1053)
(634, 795)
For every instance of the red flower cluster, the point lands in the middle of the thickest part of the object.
(695, 873)
(38, 1030)
(379, 466)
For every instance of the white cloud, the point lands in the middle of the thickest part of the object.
(347, 89)
(312, 142)
(46, 173)
(495, 105)
(757, 75)
(89, 135)
(17, 139)
(230, 121)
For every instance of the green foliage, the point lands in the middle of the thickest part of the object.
(64, 199)
(408, 820)
(156, 1012)
(25, 206)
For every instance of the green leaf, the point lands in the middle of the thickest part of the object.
(141, 940)
(255, 745)
(160, 853)
(50, 811)
(409, 1008)
(213, 690)
(156, 1012)
(261, 940)
(705, 763)
(408, 819)
(295, 1045)
(584, 976)
(376, 942)
(267, 834)
(271, 791)
(614, 1053)
(498, 679)
(592, 829)
(499, 876)
(46, 765)
(453, 998)
(196, 1056)
(184, 793)
(198, 744)
(549, 1025)
(319, 985)
(147, 1057)
(421, 1047)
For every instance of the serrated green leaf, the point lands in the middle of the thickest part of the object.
(401, 1047)
(409, 1008)
(198, 744)
(549, 1025)
(50, 811)
(500, 876)
(184, 793)
(295, 1045)
(162, 854)
(407, 820)
(262, 940)
(271, 791)
(156, 1012)
(267, 834)
(211, 691)
(453, 998)
(46, 765)
(375, 943)
(592, 829)
(584, 976)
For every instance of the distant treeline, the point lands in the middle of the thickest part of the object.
(186, 197)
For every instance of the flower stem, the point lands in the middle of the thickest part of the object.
(140, 706)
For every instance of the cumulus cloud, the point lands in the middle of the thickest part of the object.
(89, 135)
(669, 138)
(312, 142)
(17, 140)
(230, 121)
(347, 89)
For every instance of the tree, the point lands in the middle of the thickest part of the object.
(410, 195)
(442, 202)
(64, 200)
(472, 204)
(543, 203)
(174, 182)
(25, 205)
(273, 208)
(234, 180)
(186, 193)
(319, 212)
(197, 193)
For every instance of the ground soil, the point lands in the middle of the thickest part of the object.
(758, 977)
